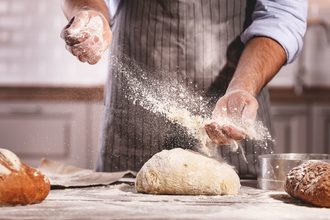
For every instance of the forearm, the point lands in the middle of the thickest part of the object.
(71, 7)
(261, 59)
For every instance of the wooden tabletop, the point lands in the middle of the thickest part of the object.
(122, 202)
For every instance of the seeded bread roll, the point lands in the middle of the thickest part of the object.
(310, 182)
(19, 183)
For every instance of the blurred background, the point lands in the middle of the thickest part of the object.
(51, 105)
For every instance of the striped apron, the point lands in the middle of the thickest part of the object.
(199, 41)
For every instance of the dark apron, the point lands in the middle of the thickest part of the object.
(196, 40)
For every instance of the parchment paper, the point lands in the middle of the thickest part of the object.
(67, 176)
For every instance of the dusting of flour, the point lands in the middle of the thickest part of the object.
(180, 104)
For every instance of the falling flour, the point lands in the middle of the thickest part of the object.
(180, 104)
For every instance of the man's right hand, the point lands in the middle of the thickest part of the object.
(87, 35)
(238, 105)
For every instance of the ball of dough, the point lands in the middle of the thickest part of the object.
(184, 172)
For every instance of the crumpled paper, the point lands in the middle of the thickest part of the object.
(67, 176)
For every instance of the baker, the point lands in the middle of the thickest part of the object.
(229, 50)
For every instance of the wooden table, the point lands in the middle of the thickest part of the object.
(122, 202)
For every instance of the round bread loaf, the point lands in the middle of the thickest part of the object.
(19, 183)
(310, 182)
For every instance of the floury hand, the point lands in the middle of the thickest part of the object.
(87, 35)
(236, 105)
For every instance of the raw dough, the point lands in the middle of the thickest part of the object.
(185, 172)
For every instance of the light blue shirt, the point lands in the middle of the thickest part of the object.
(281, 20)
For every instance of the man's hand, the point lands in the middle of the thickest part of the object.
(238, 105)
(87, 35)
(261, 59)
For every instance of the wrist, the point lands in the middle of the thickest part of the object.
(71, 10)
(78, 9)
(243, 87)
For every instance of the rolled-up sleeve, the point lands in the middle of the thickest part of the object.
(282, 20)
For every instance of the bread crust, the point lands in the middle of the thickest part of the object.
(19, 183)
(310, 182)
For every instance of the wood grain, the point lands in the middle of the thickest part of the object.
(51, 93)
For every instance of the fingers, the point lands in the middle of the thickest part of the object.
(223, 135)
(220, 109)
(87, 36)
(72, 40)
(235, 106)
(216, 134)
(233, 132)
(74, 32)
(89, 51)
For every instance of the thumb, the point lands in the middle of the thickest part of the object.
(73, 33)
(220, 109)
(250, 110)
(78, 22)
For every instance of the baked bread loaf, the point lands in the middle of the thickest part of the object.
(19, 183)
(310, 182)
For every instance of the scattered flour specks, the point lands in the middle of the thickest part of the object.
(184, 105)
